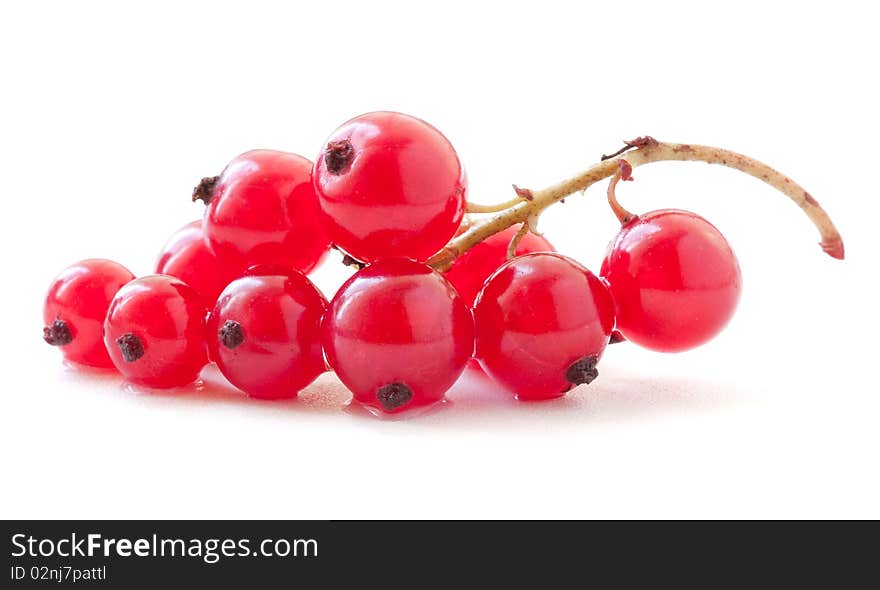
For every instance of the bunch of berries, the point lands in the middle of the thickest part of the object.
(430, 293)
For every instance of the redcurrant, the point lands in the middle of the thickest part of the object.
(187, 257)
(390, 185)
(155, 332)
(470, 270)
(398, 335)
(262, 210)
(542, 322)
(265, 334)
(76, 306)
(674, 278)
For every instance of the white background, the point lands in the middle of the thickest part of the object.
(111, 112)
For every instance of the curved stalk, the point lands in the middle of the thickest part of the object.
(648, 152)
(477, 208)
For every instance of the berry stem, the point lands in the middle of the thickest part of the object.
(624, 172)
(645, 153)
(477, 208)
(516, 239)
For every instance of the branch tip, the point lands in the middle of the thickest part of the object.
(638, 142)
(833, 249)
(625, 169)
(524, 193)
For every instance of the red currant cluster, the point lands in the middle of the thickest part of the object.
(433, 289)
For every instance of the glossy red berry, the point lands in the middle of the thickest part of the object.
(674, 278)
(265, 334)
(187, 257)
(390, 185)
(262, 210)
(155, 332)
(398, 335)
(470, 270)
(542, 322)
(76, 306)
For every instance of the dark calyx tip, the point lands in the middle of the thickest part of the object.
(582, 371)
(131, 346)
(204, 191)
(58, 334)
(394, 395)
(616, 338)
(231, 334)
(338, 156)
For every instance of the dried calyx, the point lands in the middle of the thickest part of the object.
(394, 395)
(583, 371)
(338, 156)
(231, 334)
(204, 190)
(57, 334)
(131, 347)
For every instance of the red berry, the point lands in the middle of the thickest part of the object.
(674, 278)
(265, 334)
(390, 185)
(76, 306)
(398, 335)
(542, 323)
(187, 257)
(262, 210)
(155, 332)
(470, 270)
